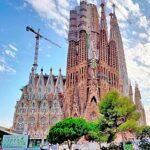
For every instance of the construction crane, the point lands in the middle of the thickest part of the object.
(38, 36)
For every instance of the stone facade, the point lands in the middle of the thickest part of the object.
(40, 105)
(95, 65)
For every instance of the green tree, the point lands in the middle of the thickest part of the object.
(94, 132)
(144, 136)
(69, 130)
(119, 115)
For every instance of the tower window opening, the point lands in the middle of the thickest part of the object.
(93, 99)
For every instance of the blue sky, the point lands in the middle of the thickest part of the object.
(17, 45)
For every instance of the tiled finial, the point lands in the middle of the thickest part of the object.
(111, 15)
(60, 70)
(51, 70)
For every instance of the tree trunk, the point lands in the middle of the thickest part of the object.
(69, 145)
(100, 145)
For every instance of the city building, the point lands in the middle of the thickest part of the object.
(95, 65)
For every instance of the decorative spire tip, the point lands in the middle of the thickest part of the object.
(114, 6)
(51, 69)
(60, 70)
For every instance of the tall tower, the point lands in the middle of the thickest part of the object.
(130, 92)
(92, 65)
(139, 104)
(82, 59)
(123, 76)
(103, 52)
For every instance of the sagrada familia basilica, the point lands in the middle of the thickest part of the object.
(95, 65)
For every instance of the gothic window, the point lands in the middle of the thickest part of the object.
(93, 99)
(33, 104)
(44, 104)
(30, 89)
(22, 104)
(75, 115)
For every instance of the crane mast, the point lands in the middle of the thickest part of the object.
(35, 65)
(38, 36)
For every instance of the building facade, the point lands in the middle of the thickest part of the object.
(96, 61)
(95, 65)
(40, 105)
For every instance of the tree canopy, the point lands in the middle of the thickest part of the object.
(118, 115)
(68, 130)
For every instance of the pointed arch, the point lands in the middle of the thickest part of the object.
(93, 99)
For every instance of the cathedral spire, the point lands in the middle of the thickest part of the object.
(137, 94)
(59, 88)
(31, 77)
(138, 102)
(103, 35)
(116, 36)
(41, 79)
(103, 20)
(112, 34)
(50, 84)
(130, 92)
(114, 8)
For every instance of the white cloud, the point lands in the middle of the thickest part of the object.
(2, 60)
(55, 12)
(93, 1)
(143, 36)
(48, 55)
(10, 53)
(134, 33)
(143, 22)
(138, 63)
(13, 47)
(63, 3)
(6, 68)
